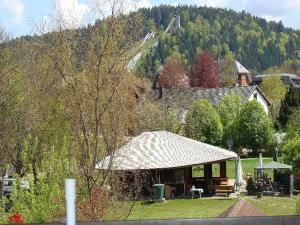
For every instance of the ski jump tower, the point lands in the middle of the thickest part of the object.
(173, 26)
(174, 23)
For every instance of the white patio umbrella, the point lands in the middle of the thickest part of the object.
(260, 164)
(260, 160)
(239, 173)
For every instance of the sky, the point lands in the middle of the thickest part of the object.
(22, 17)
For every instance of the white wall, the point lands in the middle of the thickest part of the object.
(260, 99)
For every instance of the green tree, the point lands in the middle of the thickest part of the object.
(254, 128)
(293, 127)
(12, 106)
(288, 106)
(203, 123)
(275, 91)
(274, 88)
(291, 147)
(291, 152)
(229, 110)
(227, 75)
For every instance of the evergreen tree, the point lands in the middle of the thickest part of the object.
(288, 106)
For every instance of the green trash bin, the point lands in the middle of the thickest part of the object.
(159, 191)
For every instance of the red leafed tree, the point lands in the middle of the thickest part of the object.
(205, 71)
(173, 75)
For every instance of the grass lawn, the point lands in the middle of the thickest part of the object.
(274, 206)
(181, 208)
(247, 164)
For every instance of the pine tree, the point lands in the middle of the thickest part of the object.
(205, 71)
(288, 106)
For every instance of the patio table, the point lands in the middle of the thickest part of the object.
(199, 190)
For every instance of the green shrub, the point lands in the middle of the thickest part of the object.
(296, 174)
(44, 202)
(3, 214)
(291, 152)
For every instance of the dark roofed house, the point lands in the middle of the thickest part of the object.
(184, 99)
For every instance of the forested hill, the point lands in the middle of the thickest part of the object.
(256, 43)
(253, 41)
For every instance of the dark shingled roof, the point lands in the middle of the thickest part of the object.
(214, 95)
(242, 209)
(183, 99)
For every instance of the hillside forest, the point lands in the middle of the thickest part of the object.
(259, 45)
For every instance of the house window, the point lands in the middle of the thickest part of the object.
(255, 96)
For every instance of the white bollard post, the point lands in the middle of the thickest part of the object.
(70, 200)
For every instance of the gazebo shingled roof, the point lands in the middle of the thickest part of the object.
(161, 150)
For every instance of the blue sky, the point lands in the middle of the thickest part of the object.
(21, 17)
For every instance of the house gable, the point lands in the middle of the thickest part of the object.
(260, 98)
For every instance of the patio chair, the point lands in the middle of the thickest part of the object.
(169, 191)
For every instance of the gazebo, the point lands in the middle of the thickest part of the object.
(283, 178)
(170, 158)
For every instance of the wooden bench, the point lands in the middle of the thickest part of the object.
(224, 187)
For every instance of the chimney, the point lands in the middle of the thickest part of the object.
(243, 80)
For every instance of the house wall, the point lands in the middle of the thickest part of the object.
(260, 99)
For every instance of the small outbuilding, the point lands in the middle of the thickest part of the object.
(171, 159)
(282, 177)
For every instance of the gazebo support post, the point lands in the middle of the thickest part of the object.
(207, 176)
(159, 176)
(223, 169)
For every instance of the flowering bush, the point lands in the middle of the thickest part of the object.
(16, 218)
(95, 208)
